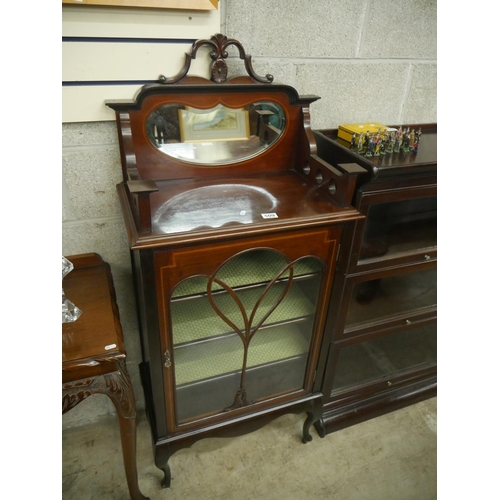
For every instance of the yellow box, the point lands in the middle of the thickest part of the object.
(346, 131)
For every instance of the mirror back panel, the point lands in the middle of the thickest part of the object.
(191, 131)
(215, 136)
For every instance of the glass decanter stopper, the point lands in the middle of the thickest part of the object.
(70, 312)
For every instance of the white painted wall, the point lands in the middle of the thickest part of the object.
(130, 57)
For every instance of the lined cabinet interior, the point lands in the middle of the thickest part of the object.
(253, 320)
(248, 331)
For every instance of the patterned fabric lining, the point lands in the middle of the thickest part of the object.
(209, 359)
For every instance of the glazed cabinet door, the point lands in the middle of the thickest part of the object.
(241, 322)
(378, 361)
(386, 333)
(384, 300)
(400, 228)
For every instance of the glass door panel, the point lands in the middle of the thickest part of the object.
(398, 227)
(244, 333)
(376, 359)
(253, 267)
(384, 298)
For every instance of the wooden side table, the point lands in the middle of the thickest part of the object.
(93, 353)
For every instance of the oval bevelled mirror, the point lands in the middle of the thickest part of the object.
(215, 136)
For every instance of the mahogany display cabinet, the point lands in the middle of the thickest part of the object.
(236, 229)
(383, 316)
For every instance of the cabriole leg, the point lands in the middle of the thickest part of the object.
(162, 456)
(119, 389)
(313, 415)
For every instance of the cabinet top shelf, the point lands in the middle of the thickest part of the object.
(194, 209)
(422, 162)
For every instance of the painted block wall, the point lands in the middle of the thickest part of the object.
(366, 59)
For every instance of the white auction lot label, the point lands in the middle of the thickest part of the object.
(270, 216)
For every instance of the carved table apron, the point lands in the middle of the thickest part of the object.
(94, 355)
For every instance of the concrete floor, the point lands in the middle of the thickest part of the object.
(392, 457)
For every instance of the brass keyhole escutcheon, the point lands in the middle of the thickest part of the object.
(167, 361)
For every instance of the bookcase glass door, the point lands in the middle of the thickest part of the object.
(243, 334)
(397, 227)
(380, 358)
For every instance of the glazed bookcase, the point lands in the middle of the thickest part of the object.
(383, 317)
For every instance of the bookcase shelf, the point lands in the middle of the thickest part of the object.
(225, 355)
(194, 319)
